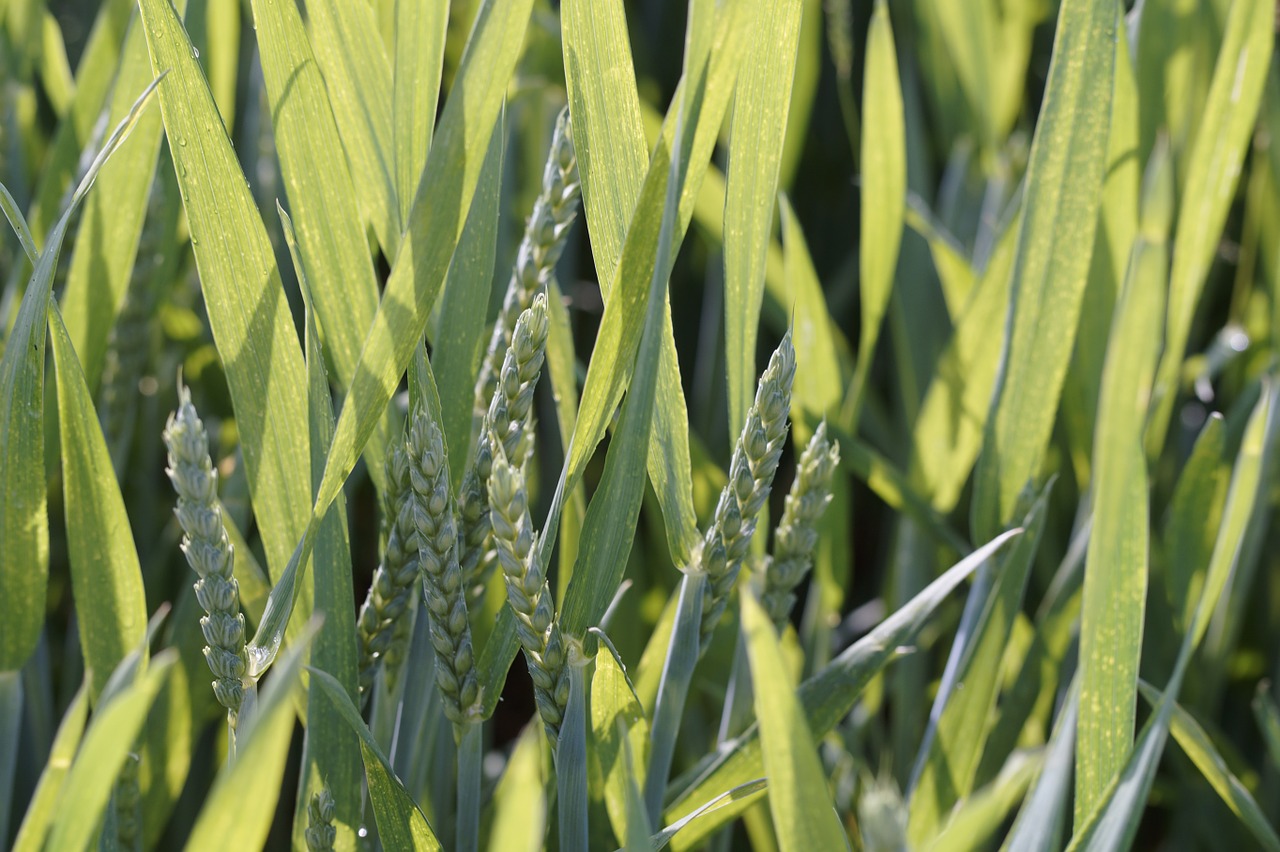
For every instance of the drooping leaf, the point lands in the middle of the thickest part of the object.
(401, 824)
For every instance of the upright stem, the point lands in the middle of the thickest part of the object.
(677, 674)
(571, 764)
(231, 740)
(738, 698)
(470, 740)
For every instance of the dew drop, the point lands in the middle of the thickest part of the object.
(195, 52)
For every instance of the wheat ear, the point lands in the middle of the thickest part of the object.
(545, 234)
(797, 533)
(320, 833)
(391, 592)
(442, 579)
(528, 593)
(509, 420)
(751, 471)
(208, 552)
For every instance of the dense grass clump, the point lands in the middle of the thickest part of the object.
(860, 418)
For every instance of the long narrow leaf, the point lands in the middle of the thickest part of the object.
(24, 521)
(1115, 577)
(246, 303)
(761, 106)
(238, 811)
(798, 797)
(401, 824)
(102, 752)
(1195, 741)
(333, 251)
(1059, 218)
(884, 189)
(106, 577)
(1223, 131)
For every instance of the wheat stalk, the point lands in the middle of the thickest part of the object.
(751, 471)
(509, 421)
(208, 552)
(528, 593)
(442, 580)
(797, 533)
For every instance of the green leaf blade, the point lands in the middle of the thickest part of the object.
(761, 106)
(106, 576)
(246, 303)
(798, 797)
(1059, 218)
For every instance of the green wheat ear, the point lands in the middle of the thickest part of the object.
(208, 552)
(320, 834)
(383, 614)
(797, 533)
(509, 421)
(442, 579)
(528, 594)
(126, 800)
(751, 471)
(545, 234)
